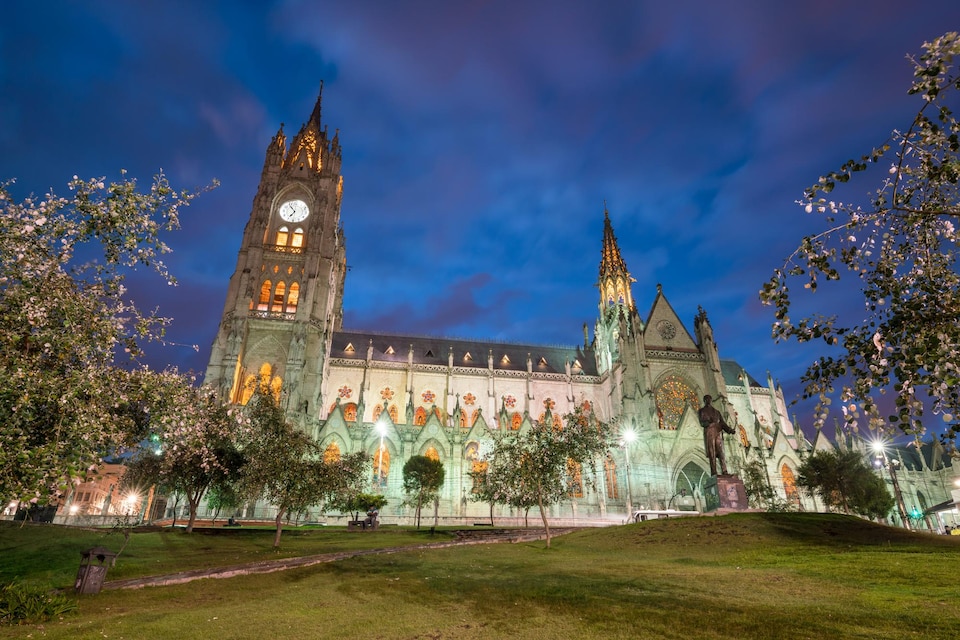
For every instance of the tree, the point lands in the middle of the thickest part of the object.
(902, 249)
(285, 466)
(358, 502)
(843, 480)
(757, 485)
(65, 314)
(533, 467)
(195, 443)
(423, 478)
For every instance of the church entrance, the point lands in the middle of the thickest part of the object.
(688, 488)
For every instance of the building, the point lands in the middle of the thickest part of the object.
(395, 396)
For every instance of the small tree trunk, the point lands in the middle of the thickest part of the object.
(419, 501)
(543, 516)
(276, 536)
(436, 511)
(491, 513)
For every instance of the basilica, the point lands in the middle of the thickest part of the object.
(395, 396)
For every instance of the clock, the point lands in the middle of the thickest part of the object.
(294, 210)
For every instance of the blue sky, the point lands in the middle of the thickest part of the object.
(480, 141)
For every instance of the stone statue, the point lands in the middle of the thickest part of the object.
(713, 428)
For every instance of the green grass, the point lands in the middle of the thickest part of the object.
(737, 576)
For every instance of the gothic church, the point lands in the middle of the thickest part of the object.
(395, 396)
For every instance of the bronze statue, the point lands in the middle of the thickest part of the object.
(713, 428)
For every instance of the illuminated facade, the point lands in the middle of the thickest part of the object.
(395, 396)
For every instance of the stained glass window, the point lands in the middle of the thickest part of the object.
(673, 397)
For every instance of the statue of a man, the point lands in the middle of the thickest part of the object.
(713, 428)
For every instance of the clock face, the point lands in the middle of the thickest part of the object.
(294, 210)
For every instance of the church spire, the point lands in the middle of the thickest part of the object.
(310, 149)
(614, 278)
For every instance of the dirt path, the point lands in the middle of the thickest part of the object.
(269, 566)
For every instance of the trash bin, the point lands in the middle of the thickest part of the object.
(90, 576)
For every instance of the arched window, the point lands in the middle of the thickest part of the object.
(673, 396)
(381, 466)
(297, 240)
(282, 235)
(516, 421)
(610, 475)
(278, 296)
(265, 379)
(474, 416)
(264, 302)
(743, 436)
(420, 417)
(431, 453)
(331, 453)
(293, 299)
(463, 419)
(350, 412)
(479, 471)
(789, 483)
(574, 479)
(377, 410)
(394, 413)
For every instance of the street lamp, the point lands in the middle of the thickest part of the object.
(628, 437)
(382, 430)
(883, 461)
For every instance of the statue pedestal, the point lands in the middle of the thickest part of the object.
(725, 492)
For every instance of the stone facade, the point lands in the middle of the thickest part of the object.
(420, 395)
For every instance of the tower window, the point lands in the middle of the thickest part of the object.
(282, 235)
(278, 296)
(297, 240)
(264, 301)
(294, 298)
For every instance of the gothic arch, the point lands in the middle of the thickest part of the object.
(673, 393)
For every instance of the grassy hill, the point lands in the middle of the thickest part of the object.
(735, 576)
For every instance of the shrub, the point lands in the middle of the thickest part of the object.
(21, 604)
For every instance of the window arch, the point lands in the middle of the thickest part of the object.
(574, 479)
(420, 417)
(610, 476)
(516, 421)
(296, 240)
(381, 466)
(278, 296)
(293, 298)
(264, 302)
(282, 235)
(331, 453)
(673, 396)
(432, 453)
(789, 483)
(265, 379)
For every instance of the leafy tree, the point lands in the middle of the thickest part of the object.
(285, 466)
(358, 503)
(901, 248)
(757, 486)
(65, 314)
(423, 478)
(195, 443)
(532, 467)
(843, 480)
(221, 496)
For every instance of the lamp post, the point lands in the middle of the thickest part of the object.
(628, 437)
(883, 461)
(382, 430)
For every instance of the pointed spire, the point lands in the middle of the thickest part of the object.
(614, 278)
(315, 116)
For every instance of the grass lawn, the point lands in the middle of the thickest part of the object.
(737, 576)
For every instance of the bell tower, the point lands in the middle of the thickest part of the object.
(285, 297)
(617, 312)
